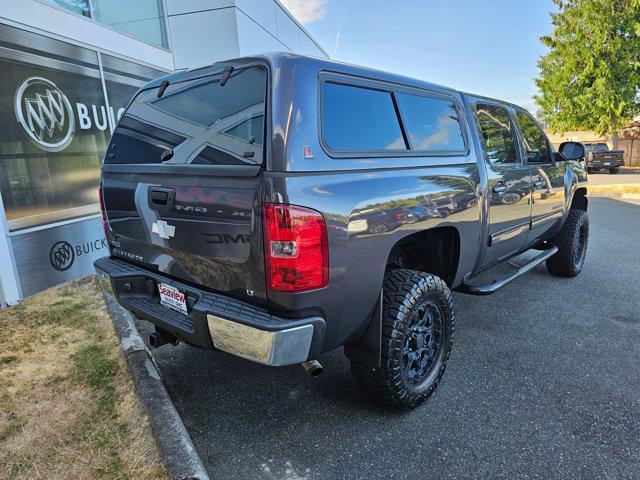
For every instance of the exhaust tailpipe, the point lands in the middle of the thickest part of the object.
(313, 368)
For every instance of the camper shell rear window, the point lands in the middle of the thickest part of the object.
(203, 121)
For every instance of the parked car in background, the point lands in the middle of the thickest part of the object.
(280, 206)
(599, 157)
(381, 220)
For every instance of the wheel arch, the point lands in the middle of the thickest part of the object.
(435, 251)
(579, 200)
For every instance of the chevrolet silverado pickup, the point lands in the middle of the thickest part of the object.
(277, 207)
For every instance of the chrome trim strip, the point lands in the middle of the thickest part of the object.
(546, 218)
(114, 77)
(43, 221)
(42, 61)
(87, 46)
(508, 233)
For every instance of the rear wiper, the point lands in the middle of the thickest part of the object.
(166, 155)
(163, 87)
(225, 75)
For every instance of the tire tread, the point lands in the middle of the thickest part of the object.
(401, 290)
(561, 264)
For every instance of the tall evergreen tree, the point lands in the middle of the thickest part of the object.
(590, 79)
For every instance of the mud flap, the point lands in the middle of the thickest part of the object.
(366, 350)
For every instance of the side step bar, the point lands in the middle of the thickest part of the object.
(501, 282)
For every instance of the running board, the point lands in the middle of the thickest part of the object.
(501, 282)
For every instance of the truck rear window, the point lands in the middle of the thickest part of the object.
(597, 147)
(197, 121)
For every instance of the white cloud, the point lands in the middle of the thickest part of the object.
(306, 11)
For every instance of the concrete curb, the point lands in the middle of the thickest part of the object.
(179, 454)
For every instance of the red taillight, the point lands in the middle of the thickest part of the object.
(296, 248)
(104, 216)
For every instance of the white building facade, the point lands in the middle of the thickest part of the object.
(69, 69)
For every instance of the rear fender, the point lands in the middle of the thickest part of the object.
(367, 214)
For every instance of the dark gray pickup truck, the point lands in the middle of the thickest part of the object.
(280, 206)
(599, 157)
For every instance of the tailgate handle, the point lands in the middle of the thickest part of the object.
(161, 198)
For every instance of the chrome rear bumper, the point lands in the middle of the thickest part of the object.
(275, 348)
(213, 321)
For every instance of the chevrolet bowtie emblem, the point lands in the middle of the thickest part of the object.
(163, 229)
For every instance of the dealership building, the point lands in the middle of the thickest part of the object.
(69, 69)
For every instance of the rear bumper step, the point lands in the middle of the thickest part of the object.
(501, 282)
(214, 321)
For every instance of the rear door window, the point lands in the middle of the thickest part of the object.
(359, 119)
(534, 141)
(199, 121)
(497, 134)
(432, 124)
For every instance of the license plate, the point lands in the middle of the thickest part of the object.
(606, 164)
(172, 298)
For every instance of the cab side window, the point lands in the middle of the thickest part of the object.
(360, 119)
(534, 140)
(496, 132)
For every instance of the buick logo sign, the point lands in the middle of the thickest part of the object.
(61, 256)
(45, 114)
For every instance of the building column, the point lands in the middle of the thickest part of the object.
(9, 286)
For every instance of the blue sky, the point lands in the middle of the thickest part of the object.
(488, 47)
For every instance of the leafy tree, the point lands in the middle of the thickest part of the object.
(590, 78)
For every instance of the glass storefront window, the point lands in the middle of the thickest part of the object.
(76, 6)
(53, 129)
(123, 79)
(143, 19)
(55, 125)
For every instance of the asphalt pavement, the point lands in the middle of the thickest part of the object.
(623, 176)
(543, 382)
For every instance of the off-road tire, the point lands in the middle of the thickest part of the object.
(404, 291)
(572, 242)
(614, 170)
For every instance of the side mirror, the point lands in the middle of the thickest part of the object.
(572, 151)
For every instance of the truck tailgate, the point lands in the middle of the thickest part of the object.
(181, 180)
(210, 236)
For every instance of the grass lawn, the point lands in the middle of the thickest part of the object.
(68, 405)
(613, 190)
